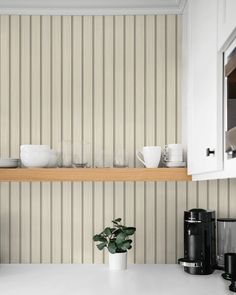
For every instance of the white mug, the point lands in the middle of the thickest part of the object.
(173, 153)
(151, 156)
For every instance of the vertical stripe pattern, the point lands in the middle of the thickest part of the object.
(96, 89)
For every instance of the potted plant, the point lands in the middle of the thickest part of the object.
(117, 240)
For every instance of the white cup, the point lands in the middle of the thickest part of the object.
(173, 153)
(151, 156)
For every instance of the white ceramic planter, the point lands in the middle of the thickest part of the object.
(118, 261)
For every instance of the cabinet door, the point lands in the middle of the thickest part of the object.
(204, 107)
(226, 21)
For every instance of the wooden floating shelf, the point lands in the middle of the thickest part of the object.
(94, 174)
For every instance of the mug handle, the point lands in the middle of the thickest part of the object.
(165, 153)
(138, 154)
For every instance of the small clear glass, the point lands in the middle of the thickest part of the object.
(82, 156)
(120, 160)
(226, 236)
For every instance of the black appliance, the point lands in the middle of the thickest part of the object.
(199, 242)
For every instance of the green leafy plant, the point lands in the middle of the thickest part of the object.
(116, 239)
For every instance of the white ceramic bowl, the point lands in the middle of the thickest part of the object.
(34, 147)
(37, 156)
(35, 159)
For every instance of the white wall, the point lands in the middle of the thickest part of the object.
(112, 82)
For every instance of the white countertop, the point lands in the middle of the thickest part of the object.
(65, 279)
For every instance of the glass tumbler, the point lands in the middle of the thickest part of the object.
(226, 238)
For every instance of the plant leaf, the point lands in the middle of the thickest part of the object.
(96, 238)
(129, 230)
(116, 232)
(129, 240)
(126, 245)
(99, 238)
(101, 246)
(107, 231)
(120, 238)
(117, 220)
(112, 247)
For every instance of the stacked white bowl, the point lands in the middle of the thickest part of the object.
(8, 163)
(37, 156)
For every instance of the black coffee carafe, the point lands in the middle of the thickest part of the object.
(199, 242)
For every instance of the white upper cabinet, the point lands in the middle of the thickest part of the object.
(226, 21)
(203, 104)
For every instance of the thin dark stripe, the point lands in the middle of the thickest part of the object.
(20, 140)
(103, 122)
(155, 128)
(135, 140)
(145, 133)
(62, 148)
(10, 134)
(82, 135)
(114, 113)
(93, 127)
(72, 135)
(51, 139)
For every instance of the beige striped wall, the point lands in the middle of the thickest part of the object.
(112, 82)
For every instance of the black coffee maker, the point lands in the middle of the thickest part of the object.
(199, 242)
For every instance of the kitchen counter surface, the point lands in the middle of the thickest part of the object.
(71, 279)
